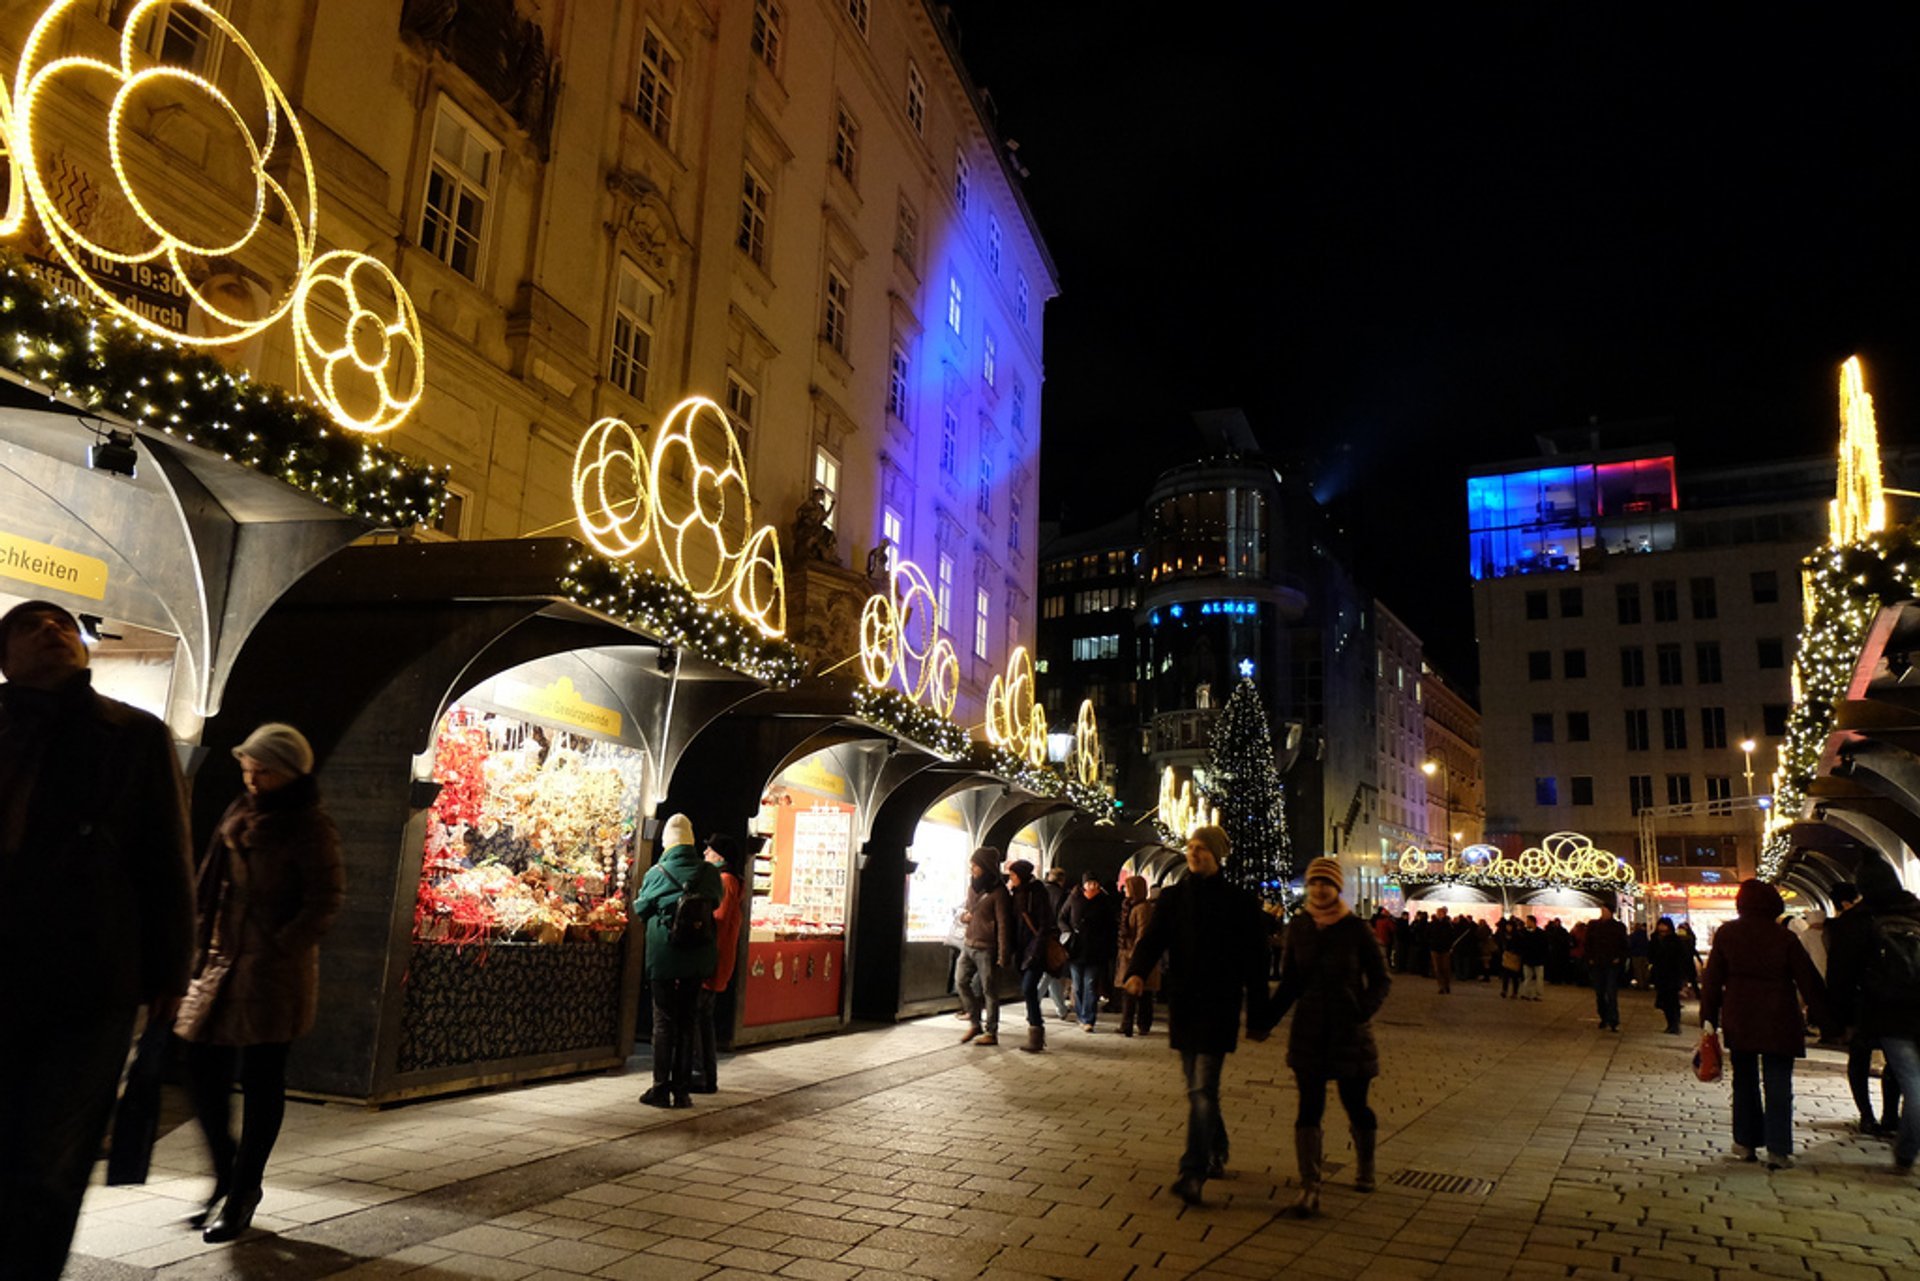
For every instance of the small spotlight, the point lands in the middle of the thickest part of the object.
(1899, 663)
(116, 454)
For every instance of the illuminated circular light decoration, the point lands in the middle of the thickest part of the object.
(625, 497)
(1562, 858)
(898, 637)
(1014, 721)
(1088, 766)
(15, 215)
(369, 368)
(1180, 811)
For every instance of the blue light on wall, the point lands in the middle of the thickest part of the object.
(1176, 611)
(1210, 609)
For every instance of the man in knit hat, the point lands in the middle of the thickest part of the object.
(989, 946)
(677, 964)
(1213, 935)
(91, 801)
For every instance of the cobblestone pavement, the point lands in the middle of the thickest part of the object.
(897, 1152)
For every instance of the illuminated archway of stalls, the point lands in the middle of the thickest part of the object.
(357, 336)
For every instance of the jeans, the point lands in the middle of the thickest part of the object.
(706, 1040)
(1903, 1064)
(1031, 981)
(1530, 985)
(1860, 1080)
(978, 971)
(1353, 1098)
(1206, 1131)
(56, 1093)
(675, 1006)
(262, 1072)
(1086, 990)
(1606, 993)
(1056, 989)
(1753, 1126)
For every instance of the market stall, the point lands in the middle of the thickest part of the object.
(796, 960)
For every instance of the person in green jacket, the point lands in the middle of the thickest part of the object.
(675, 970)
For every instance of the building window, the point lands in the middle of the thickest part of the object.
(962, 179)
(189, 38)
(1573, 603)
(987, 354)
(859, 12)
(1713, 727)
(1679, 789)
(1773, 720)
(897, 382)
(1573, 663)
(949, 443)
(1637, 729)
(1540, 665)
(1013, 521)
(906, 233)
(1766, 586)
(826, 476)
(1087, 649)
(756, 205)
(1673, 728)
(1626, 601)
(993, 243)
(1054, 607)
(1719, 794)
(1536, 606)
(459, 186)
(980, 620)
(1546, 791)
(1705, 603)
(768, 24)
(1667, 657)
(657, 98)
(1582, 789)
(833, 324)
(743, 404)
(631, 354)
(1772, 651)
(1018, 414)
(1578, 730)
(1022, 301)
(1543, 727)
(1640, 792)
(894, 533)
(846, 144)
(983, 501)
(954, 297)
(943, 594)
(916, 100)
(1706, 662)
(1666, 602)
(1633, 666)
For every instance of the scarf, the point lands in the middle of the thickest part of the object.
(1327, 916)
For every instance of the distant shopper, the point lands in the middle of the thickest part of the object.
(1639, 955)
(1881, 966)
(1058, 987)
(1032, 912)
(989, 949)
(1091, 919)
(1214, 941)
(1750, 993)
(1559, 952)
(1334, 982)
(271, 883)
(90, 795)
(1507, 940)
(1136, 1012)
(1535, 946)
(1606, 953)
(723, 854)
(677, 900)
(1670, 967)
(1441, 936)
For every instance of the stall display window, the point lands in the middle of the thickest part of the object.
(531, 838)
(800, 878)
(937, 890)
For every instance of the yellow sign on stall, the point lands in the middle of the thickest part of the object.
(561, 703)
(45, 565)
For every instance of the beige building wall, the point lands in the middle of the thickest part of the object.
(1400, 735)
(1457, 800)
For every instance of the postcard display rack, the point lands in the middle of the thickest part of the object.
(521, 915)
(797, 940)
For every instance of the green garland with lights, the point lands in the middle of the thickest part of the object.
(1494, 881)
(892, 710)
(669, 612)
(101, 362)
(1845, 588)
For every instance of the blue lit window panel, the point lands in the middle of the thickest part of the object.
(1546, 791)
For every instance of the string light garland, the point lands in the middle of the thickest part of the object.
(1015, 721)
(100, 361)
(668, 611)
(899, 637)
(893, 710)
(1568, 859)
(698, 516)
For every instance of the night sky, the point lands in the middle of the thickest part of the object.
(1405, 243)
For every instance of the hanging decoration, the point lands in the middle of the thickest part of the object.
(1088, 766)
(379, 336)
(1015, 721)
(698, 516)
(899, 637)
(1563, 859)
(1179, 812)
(1859, 506)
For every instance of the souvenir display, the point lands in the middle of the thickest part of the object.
(531, 837)
(937, 890)
(800, 882)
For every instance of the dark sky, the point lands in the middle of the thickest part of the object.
(1406, 241)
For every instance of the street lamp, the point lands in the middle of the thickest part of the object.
(1430, 768)
(1747, 745)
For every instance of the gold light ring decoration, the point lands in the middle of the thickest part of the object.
(899, 638)
(272, 202)
(1013, 720)
(695, 518)
(1179, 811)
(1413, 861)
(879, 641)
(1087, 763)
(15, 216)
(610, 495)
(760, 583)
(379, 344)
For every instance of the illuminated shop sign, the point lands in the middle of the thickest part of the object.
(1231, 608)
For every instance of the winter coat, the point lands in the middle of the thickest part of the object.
(1214, 937)
(1670, 962)
(271, 883)
(1135, 915)
(1606, 943)
(1031, 908)
(1094, 923)
(92, 809)
(726, 931)
(990, 920)
(1532, 946)
(1333, 980)
(1752, 973)
(1851, 947)
(656, 904)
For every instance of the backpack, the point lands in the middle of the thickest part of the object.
(1893, 975)
(691, 925)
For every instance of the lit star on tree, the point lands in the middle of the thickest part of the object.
(1246, 667)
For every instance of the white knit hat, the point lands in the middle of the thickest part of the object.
(277, 746)
(678, 831)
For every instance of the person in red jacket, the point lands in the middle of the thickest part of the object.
(724, 853)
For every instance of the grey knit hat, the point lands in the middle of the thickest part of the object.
(278, 746)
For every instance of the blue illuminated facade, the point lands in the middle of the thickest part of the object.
(1538, 520)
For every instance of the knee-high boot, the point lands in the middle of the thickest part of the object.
(1306, 1147)
(1363, 1160)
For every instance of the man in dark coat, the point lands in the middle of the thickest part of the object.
(1059, 886)
(1849, 939)
(1032, 911)
(91, 804)
(989, 946)
(1888, 1008)
(1092, 918)
(1215, 940)
(1606, 952)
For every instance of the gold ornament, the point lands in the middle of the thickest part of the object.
(369, 369)
(1087, 762)
(1014, 720)
(899, 637)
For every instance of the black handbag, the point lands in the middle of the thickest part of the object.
(136, 1121)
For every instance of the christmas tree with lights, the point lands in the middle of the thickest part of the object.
(1243, 783)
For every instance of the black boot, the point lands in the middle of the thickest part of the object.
(198, 1219)
(234, 1217)
(1363, 1159)
(1306, 1149)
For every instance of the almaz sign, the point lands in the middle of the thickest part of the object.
(153, 292)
